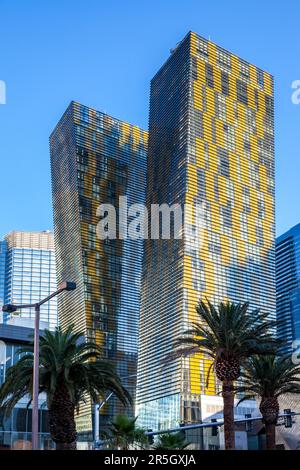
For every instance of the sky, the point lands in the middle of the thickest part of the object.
(104, 54)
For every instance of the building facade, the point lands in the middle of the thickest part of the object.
(15, 429)
(211, 144)
(96, 159)
(3, 251)
(288, 286)
(28, 273)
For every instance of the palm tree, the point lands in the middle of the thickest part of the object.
(70, 370)
(124, 433)
(228, 334)
(171, 441)
(269, 377)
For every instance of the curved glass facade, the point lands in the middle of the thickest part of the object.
(96, 159)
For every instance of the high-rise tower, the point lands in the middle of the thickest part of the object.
(3, 253)
(28, 274)
(211, 143)
(95, 159)
(288, 286)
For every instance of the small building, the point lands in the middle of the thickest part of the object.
(15, 430)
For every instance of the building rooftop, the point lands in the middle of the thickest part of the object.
(43, 240)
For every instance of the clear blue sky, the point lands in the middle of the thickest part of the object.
(103, 54)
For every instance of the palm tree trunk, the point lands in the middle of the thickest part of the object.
(62, 420)
(228, 403)
(270, 436)
(269, 408)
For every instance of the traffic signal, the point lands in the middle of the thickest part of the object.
(182, 430)
(214, 429)
(150, 437)
(248, 423)
(288, 419)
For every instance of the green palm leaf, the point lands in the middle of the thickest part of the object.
(70, 369)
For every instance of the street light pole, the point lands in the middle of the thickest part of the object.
(98, 407)
(9, 308)
(35, 395)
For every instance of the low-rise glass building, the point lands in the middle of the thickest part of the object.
(15, 429)
(288, 286)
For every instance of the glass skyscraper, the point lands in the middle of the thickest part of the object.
(3, 251)
(28, 274)
(95, 159)
(288, 286)
(211, 144)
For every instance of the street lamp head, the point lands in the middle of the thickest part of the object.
(9, 308)
(66, 285)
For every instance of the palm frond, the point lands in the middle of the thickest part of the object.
(65, 359)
